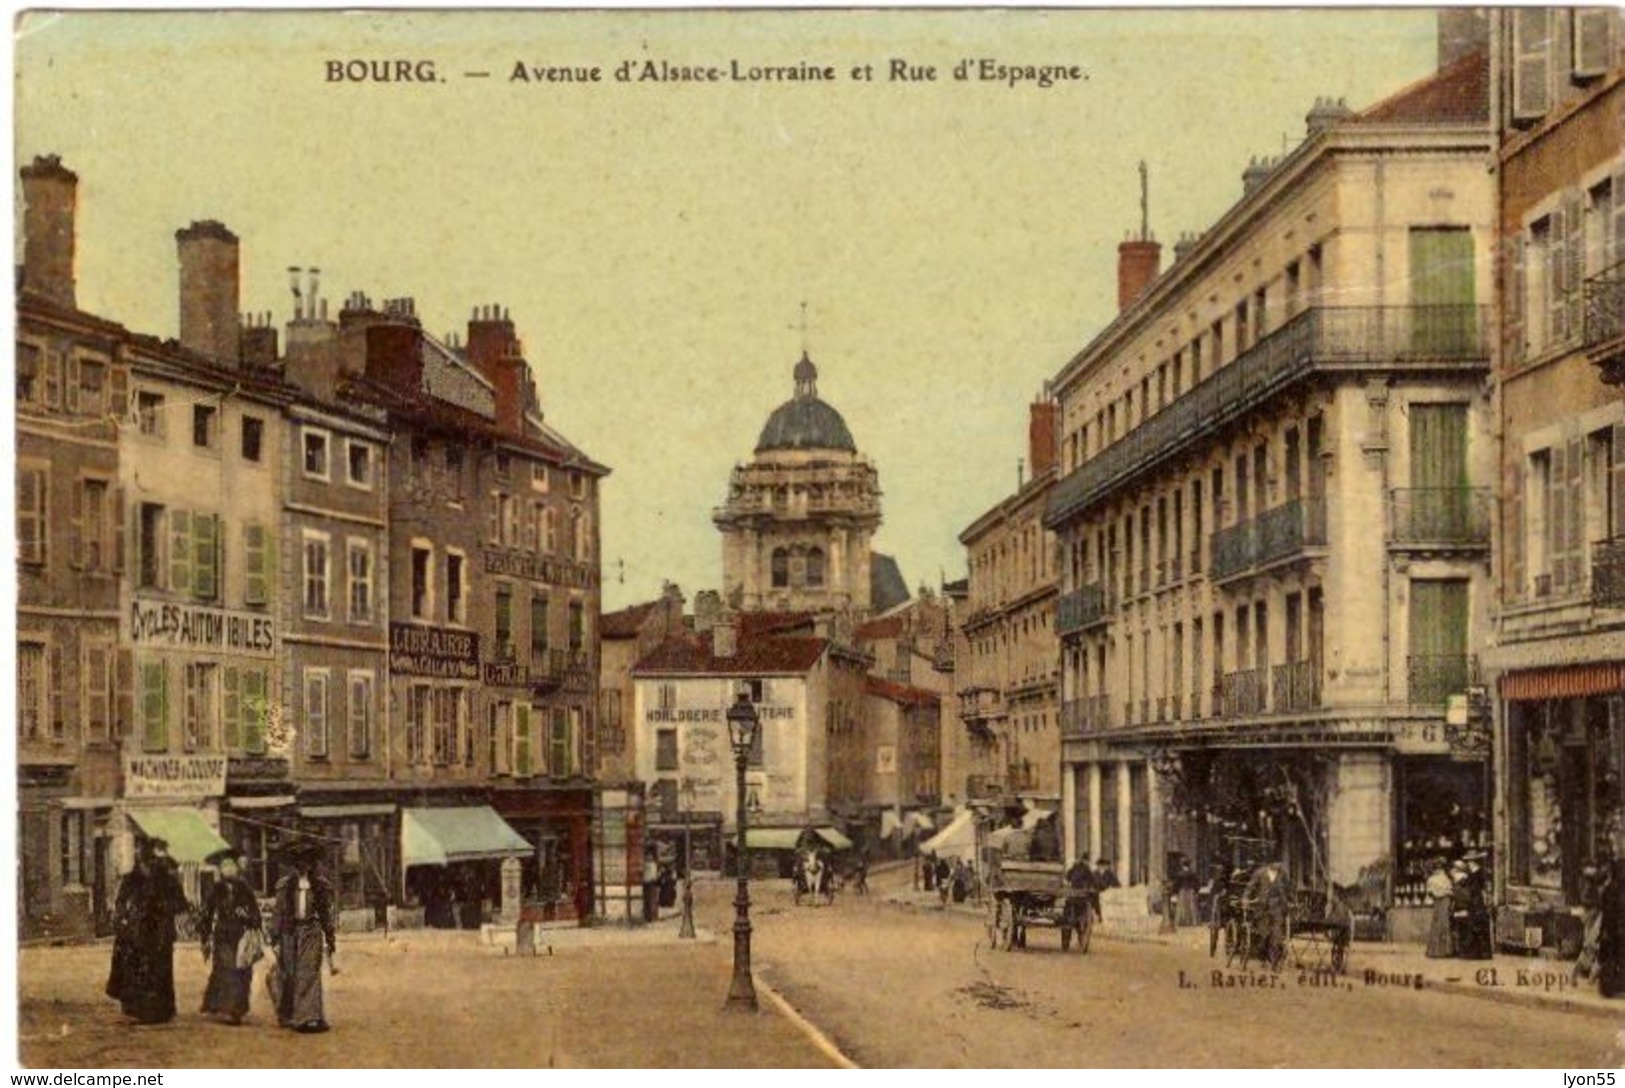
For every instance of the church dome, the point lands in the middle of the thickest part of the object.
(804, 422)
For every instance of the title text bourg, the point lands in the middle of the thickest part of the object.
(434, 652)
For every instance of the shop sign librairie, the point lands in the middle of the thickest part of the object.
(173, 777)
(434, 652)
(173, 625)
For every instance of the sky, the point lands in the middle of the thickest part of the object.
(954, 240)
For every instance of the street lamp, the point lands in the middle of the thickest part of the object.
(742, 726)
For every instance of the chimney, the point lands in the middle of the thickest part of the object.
(707, 610)
(1041, 437)
(208, 253)
(50, 195)
(1138, 259)
(725, 635)
(1462, 32)
(1325, 113)
(1187, 242)
(495, 352)
(258, 339)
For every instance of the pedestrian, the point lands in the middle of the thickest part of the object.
(931, 871)
(230, 927)
(1610, 967)
(668, 886)
(142, 979)
(301, 932)
(1471, 910)
(1080, 894)
(1441, 939)
(860, 875)
(1105, 875)
(1186, 884)
(960, 881)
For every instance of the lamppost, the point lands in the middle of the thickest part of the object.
(742, 726)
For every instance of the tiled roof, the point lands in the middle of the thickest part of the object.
(901, 694)
(627, 622)
(1458, 93)
(761, 655)
(765, 623)
(884, 627)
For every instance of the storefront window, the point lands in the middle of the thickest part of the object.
(1443, 814)
(1564, 762)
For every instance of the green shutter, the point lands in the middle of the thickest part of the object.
(1442, 288)
(254, 563)
(205, 556)
(180, 552)
(154, 707)
(232, 708)
(256, 709)
(521, 754)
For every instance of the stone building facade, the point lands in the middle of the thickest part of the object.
(1274, 506)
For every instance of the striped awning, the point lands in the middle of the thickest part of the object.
(1569, 682)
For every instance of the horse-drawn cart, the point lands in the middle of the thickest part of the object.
(1029, 894)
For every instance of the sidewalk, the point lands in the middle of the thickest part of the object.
(1519, 980)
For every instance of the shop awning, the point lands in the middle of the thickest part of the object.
(440, 836)
(836, 840)
(1571, 682)
(339, 812)
(190, 838)
(772, 838)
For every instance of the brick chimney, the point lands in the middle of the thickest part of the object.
(209, 278)
(257, 336)
(1041, 437)
(50, 196)
(1138, 262)
(495, 351)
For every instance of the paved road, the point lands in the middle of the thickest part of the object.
(901, 988)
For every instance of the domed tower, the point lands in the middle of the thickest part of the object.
(800, 515)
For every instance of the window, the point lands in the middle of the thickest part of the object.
(149, 413)
(538, 630)
(666, 750)
(578, 625)
(28, 370)
(508, 523)
(504, 621)
(360, 712)
(199, 713)
(520, 760)
(206, 557)
(32, 522)
(538, 477)
(150, 574)
(422, 564)
(444, 734)
(154, 706)
(465, 725)
(53, 379)
(316, 718)
(503, 464)
(253, 438)
(667, 696)
(315, 454)
(92, 387)
(258, 545)
(360, 463)
(454, 472)
(316, 574)
(95, 543)
(549, 530)
(781, 568)
(501, 737)
(417, 724)
(97, 682)
(360, 565)
(455, 612)
(205, 426)
(247, 709)
(31, 689)
(583, 536)
(578, 485)
(194, 552)
(530, 528)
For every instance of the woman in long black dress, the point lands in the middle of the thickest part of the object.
(142, 979)
(1475, 938)
(229, 913)
(302, 932)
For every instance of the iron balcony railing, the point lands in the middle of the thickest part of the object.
(1433, 678)
(1242, 692)
(1319, 339)
(1295, 686)
(1605, 308)
(1081, 608)
(1450, 516)
(1091, 714)
(1608, 573)
(1274, 535)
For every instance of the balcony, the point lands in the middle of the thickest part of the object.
(1091, 714)
(1241, 693)
(1272, 537)
(1604, 322)
(1432, 678)
(1295, 686)
(1608, 573)
(1441, 517)
(980, 704)
(1080, 609)
(1318, 341)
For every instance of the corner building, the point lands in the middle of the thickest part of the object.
(1274, 511)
